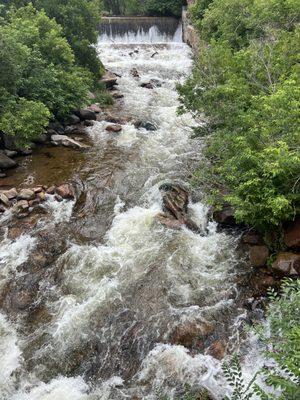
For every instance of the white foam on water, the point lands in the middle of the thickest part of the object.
(14, 253)
(10, 356)
(61, 388)
(61, 211)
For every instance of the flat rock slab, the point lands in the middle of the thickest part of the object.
(63, 140)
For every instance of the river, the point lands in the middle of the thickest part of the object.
(117, 290)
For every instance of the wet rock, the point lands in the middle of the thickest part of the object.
(25, 152)
(145, 125)
(51, 190)
(71, 120)
(2, 208)
(41, 196)
(95, 108)
(75, 129)
(21, 205)
(66, 191)
(34, 202)
(58, 198)
(175, 200)
(155, 82)
(4, 200)
(21, 300)
(11, 193)
(147, 85)
(6, 162)
(11, 153)
(217, 350)
(41, 139)
(9, 142)
(117, 95)
(225, 216)
(258, 255)
(114, 128)
(88, 123)
(135, 73)
(2, 175)
(191, 334)
(38, 189)
(109, 79)
(56, 127)
(169, 222)
(63, 140)
(260, 282)
(287, 264)
(252, 238)
(86, 114)
(175, 205)
(26, 194)
(292, 234)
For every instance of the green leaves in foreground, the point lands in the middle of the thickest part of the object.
(281, 337)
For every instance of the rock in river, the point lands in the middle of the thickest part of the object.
(6, 162)
(66, 191)
(63, 140)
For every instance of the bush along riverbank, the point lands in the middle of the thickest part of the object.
(244, 90)
(49, 68)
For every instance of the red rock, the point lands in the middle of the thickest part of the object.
(51, 190)
(66, 191)
(169, 222)
(292, 234)
(38, 189)
(114, 128)
(11, 194)
(258, 256)
(217, 350)
(287, 264)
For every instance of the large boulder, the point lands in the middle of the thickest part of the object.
(109, 79)
(55, 126)
(86, 114)
(225, 216)
(65, 191)
(292, 234)
(6, 162)
(40, 139)
(287, 264)
(258, 255)
(71, 120)
(175, 206)
(75, 130)
(63, 140)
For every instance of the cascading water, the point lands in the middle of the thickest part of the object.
(119, 286)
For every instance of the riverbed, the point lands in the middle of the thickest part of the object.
(101, 301)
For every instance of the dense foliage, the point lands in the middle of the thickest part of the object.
(144, 7)
(246, 84)
(47, 63)
(281, 335)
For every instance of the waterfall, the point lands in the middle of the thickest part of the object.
(140, 30)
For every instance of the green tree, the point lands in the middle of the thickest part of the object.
(246, 83)
(38, 75)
